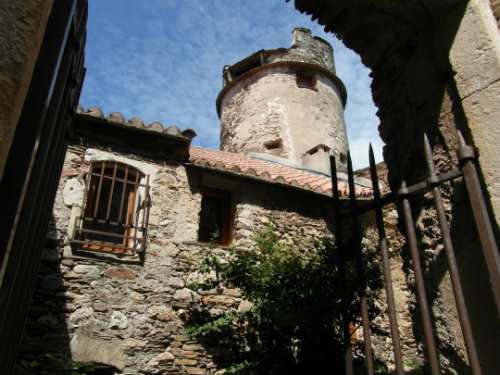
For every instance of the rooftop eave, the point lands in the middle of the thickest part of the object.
(170, 143)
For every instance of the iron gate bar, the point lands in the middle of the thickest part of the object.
(452, 263)
(368, 206)
(424, 185)
(393, 197)
(466, 156)
(396, 345)
(419, 281)
(360, 269)
(349, 368)
(468, 170)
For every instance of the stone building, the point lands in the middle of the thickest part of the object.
(136, 205)
(435, 69)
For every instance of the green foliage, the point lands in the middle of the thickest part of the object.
(414, 366)
(48, 364)
(298, 291)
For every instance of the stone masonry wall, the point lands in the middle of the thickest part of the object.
(95, 307)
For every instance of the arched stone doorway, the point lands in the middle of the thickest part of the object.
(435, 69)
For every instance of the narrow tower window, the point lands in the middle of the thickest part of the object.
(306, 80)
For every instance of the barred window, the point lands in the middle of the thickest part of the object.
(115, 215)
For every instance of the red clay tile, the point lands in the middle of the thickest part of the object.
(266, 170)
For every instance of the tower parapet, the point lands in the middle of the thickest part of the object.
(308, 49)
(286, 104)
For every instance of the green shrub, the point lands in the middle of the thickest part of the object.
(49, 364)
(296, 288)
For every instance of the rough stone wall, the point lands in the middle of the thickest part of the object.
(22, 26)
(113, 310)
(453, 355)
(382, 343)
(269, 105)
(403, 295)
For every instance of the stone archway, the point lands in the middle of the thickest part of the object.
(434, 66)
(435, 69)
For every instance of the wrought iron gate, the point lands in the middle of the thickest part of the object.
(467, 170)
(34, 165)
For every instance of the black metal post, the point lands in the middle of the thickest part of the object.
(386, 266)
(466, 157)
(360, 270)
(349, 368)
(419, 281)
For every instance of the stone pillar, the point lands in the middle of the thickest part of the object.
(475, 57)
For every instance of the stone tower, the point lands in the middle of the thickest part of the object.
(286, 105)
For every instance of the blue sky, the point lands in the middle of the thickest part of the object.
(162, 60)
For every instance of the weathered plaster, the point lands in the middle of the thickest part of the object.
(269, 105)
(22, 26)
(263, 104)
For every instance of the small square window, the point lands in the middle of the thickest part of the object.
(306, 80)
(275, 147)
(215, 217)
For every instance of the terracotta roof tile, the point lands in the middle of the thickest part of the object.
(238, 163)
(137, 122)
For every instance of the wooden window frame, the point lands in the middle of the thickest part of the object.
(113, 209)
(226, 224)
